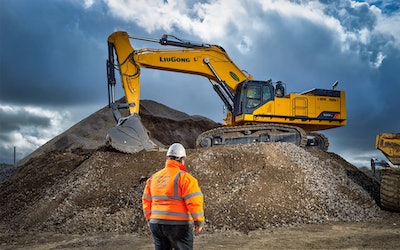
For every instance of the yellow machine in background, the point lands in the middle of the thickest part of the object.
(389, 145)
(258, 111)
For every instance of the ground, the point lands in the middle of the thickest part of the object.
(76, 192)
(382, 235)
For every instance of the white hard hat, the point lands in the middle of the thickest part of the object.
(176, 150)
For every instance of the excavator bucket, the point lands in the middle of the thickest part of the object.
(130, 136)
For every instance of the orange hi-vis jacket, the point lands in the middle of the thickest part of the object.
(173, 196)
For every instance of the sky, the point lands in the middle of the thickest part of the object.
(53, 54)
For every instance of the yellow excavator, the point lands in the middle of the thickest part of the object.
(389, 145)
(258, 111)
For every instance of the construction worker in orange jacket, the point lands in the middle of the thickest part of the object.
(173, 203)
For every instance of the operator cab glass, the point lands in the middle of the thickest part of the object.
(251, 95)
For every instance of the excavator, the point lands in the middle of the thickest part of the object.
(389, 145)
(257, 110)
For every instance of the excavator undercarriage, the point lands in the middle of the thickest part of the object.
(251, 134)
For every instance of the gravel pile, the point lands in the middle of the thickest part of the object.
(246, 187)
(270, 185)
(6, 170)
(74, 184)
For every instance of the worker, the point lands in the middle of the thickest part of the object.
(173, 203)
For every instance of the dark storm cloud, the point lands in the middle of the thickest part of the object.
(11, 121)
(52, 56)
(306, 54)
(51, 53)
(25, 128)
(303, 54)
(387, 6)
(352, 16)
(372, 108)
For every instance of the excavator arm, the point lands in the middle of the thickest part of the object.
(210, 61)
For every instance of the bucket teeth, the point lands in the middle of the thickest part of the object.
(130, 136)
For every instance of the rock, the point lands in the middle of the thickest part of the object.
(77, 185)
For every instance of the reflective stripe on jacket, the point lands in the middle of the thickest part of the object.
(173, 196)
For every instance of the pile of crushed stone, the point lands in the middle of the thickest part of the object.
(278, 184)
(74, 188)
(6, 170)
(246, 187)
(164, 124)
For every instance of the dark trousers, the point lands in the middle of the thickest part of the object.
(176, 237)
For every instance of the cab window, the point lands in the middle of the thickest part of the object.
(253, 96)
(267, 95)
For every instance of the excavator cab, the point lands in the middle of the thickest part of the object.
(251, 95)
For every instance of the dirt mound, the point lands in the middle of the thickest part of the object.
(73, 186)
(167, 125)
(6, 170)
(164, 124)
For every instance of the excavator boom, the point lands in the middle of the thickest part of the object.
(205, 60)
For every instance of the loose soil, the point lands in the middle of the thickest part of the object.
(76, 193)
(378, 235)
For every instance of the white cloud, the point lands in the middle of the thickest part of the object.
(28, 128)
(379, 59)
(362, 158)
(245, 45)
(218, 21)
(153, 14)
(390, 25)
(88, 3)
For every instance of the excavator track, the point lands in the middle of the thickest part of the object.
(317, 140)
(252, 134)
